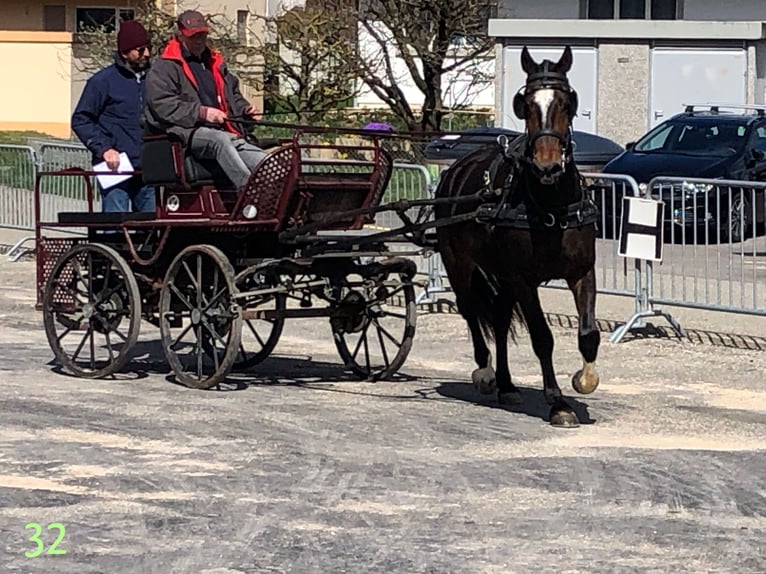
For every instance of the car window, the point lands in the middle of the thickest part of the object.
(759, 138)
(655, 140)
(695, 138)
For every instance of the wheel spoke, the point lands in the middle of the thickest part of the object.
(82, 343)
(214, 300)
(90, 278)
(199, 281)
(181, 336)
(382, 346)
(190, 275)
(255, 332)
(199, 351)
(92, 349)
(109, 347)
(213, 332)
(383, 330)
(71, 292)
(181, 296)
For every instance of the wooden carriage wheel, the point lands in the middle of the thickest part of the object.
(92, 310)
(373, 325)
(200, 322)
(259, 336)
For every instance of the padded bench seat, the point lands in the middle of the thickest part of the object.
(159, 166)
(86, 217)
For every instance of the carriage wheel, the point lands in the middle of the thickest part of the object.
(374, 325)
(92, 310)
(259, 336)
(200, 322)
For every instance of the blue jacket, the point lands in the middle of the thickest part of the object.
(108, 114)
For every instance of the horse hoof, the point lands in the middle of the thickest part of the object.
(564, 417)
(484, 380)
(585, 383)
(511, 399)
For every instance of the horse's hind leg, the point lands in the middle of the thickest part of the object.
(483, 377)
(561, 414)
(507, 393)
(586, 379)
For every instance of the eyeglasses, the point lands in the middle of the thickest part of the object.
(144, 49)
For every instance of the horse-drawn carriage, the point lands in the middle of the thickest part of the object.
(214, 264)
(219, 270)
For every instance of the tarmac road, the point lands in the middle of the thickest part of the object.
(297, 468)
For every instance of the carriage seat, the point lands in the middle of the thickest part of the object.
(164, 161)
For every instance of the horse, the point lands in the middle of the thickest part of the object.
(534, 223)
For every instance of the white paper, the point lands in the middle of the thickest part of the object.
(110, 180)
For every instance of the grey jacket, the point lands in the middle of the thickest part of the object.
(172, 100)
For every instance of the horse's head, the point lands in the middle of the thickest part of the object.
(547, 104)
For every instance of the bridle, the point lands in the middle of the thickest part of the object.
(547, 79)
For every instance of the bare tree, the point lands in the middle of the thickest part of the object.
(310, 61)
(95, 47)
(434, 41)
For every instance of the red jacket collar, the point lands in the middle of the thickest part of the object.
(173, 52)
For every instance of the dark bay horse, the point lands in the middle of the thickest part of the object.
(535, 223)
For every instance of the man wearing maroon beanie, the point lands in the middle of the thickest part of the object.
(107, 118)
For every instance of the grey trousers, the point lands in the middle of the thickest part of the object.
(236, 156)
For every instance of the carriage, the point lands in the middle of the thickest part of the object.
(219, 270)
(212, 261)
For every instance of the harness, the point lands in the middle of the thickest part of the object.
(503, 209)
(507, 210)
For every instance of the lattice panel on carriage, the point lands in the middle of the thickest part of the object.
(49, 251)
(270, 187)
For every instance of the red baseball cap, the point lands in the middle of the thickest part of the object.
(191, 22)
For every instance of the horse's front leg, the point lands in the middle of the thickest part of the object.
(561, 414)
(586, 379)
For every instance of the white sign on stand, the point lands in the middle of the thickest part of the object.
(641, 228)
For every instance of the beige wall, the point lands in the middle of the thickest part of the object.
(623, 90)
(42, 100)
(45, 100)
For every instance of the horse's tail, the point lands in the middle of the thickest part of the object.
(492, 299)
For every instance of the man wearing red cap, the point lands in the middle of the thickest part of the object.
(191, 94)
(107, 118)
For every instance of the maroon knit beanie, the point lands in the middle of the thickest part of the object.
(131, 35)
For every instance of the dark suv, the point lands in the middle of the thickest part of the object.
(704, 143)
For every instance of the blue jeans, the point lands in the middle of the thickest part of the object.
(131, 191)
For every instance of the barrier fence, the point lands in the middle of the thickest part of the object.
(714, 249)
(714, 242)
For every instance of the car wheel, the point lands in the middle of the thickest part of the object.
(740, 217)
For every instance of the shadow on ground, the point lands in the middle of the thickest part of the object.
(533, 403)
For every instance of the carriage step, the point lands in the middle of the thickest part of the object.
(87, 217)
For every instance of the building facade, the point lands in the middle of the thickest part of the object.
(38, 45)
(636, 62)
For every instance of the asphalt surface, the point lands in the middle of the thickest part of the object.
(296, 467)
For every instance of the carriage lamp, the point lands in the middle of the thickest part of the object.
(173, 203)
(249, 211)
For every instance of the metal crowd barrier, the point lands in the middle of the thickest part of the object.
(715, 248)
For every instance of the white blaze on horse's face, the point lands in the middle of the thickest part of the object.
(544, 98)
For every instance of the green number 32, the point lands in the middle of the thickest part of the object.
(40, 544)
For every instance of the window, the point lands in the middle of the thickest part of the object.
(631, 9)
(635, 9)
(243, 20)
(86, 19)
(54, 18)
